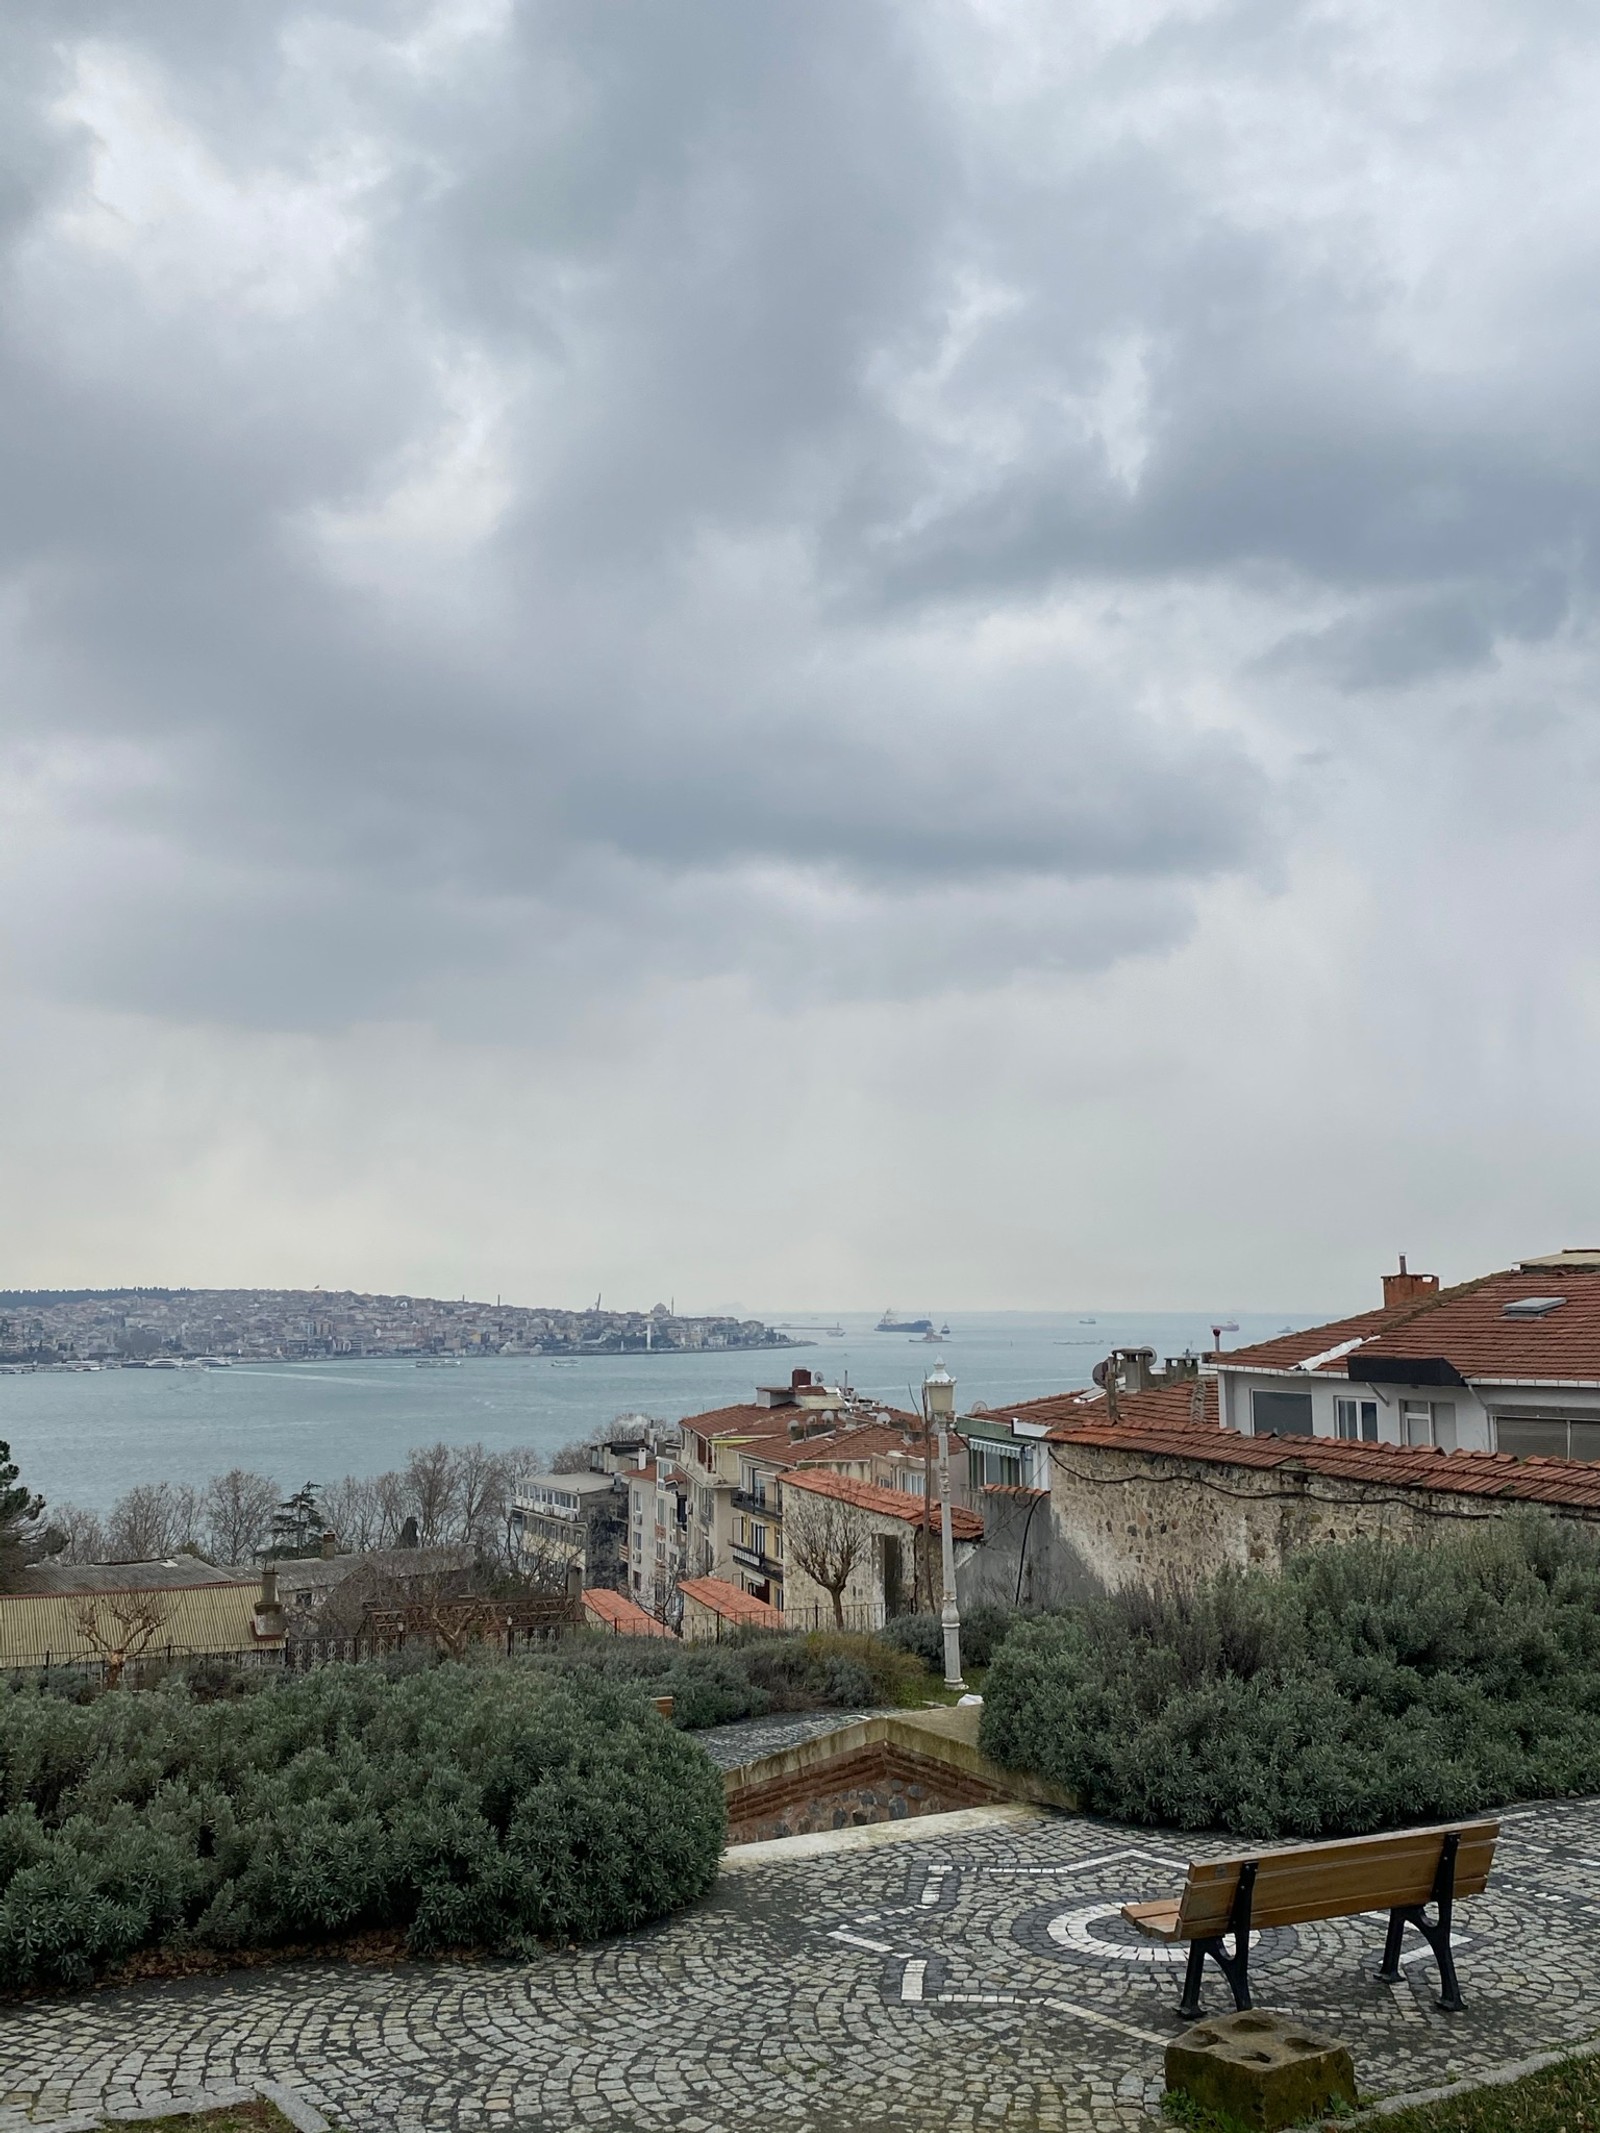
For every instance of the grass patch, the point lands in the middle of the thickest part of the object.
(1562, 2099)
(232, 2118)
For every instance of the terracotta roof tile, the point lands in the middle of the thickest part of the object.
(616, 1611)
(886, 1503)
(1573, 1482)
(1466, 1327)
(1161, 1403)
(743, 1609)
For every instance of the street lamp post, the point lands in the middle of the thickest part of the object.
(939, 1401)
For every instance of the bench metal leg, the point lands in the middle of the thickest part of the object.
(1389, 1973)
(1189, 2005)
(1436, 1932)
(1235, 1967)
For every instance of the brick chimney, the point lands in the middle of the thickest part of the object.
(1405, 1288)
(330, 1546)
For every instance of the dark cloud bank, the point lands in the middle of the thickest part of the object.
(508, 502)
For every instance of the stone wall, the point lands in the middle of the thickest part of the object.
(1134, 1517)
(879, 1783)
(875, 1770)
(1025, 1559)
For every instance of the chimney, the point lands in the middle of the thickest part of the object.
(1406, 1288)
(641, 1459)
(267, 1616)
(330, 1545)
(799, 1380)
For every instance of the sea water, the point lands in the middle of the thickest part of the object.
(85, 1436)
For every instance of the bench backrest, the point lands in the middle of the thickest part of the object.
(1297, 1883)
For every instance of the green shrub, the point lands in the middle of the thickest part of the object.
(1370, 1684)
(984, 1627)
(469, 1806)
(751, 1673)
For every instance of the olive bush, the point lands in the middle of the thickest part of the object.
(485, 1807)
(1367, 1685)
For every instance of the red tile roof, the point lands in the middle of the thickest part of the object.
(1572, 1482)
(740, 1608)
(616, 1612)
(1465, 1327)
(887, 1503)
(1162, 1403)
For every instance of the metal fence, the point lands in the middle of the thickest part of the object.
(301, 1655)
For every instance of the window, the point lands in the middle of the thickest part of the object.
(752, 1483)
(1357, 1420)
(1281, 1414)
(1547, 1436)
(1429, 1422)
(758, 1539)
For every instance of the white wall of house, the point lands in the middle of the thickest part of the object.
(1536, 1415)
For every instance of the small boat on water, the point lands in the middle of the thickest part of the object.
(440, 1362)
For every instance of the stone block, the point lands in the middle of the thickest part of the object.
(1265, 2070)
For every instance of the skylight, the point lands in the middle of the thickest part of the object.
(1532, 1306)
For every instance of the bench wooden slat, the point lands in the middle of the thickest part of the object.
(1300, 1883)
(1161, 1919)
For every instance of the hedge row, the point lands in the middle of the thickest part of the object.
(485, 1807)
(749, 1675)
(1367, 1685)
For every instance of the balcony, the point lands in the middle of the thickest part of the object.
(756, 1504)
(765, 1566)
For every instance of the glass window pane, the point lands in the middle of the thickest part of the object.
(1444, 1425)
(1585, 1440)
(1416, 1422)
(1345, 1415)
(1530, 1440)
(1369, 1421)
(1282, 1414)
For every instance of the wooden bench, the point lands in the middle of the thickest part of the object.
(1400, 1872)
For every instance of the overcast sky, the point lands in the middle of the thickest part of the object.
(814, 653)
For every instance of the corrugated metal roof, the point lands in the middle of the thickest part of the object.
(174, 1570)
(190, 1619)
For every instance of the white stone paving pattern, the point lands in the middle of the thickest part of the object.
(965, 1977)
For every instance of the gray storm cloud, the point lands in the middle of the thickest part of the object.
(511, 509)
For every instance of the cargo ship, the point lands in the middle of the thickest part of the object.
(890, 1324)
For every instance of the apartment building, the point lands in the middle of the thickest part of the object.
(734, 1460)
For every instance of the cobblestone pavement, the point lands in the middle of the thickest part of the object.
(964, 1978)
(751, 1738)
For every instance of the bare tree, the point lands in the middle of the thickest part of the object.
(354, 1511)
(83, 1534)
(120, 1626)
(152, 1521)
(237, 1509)
(431, 1478)
(393, 1499)
(480, 1488)
(825, 1537)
